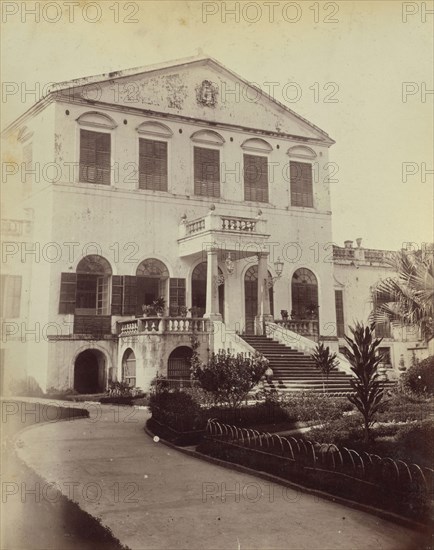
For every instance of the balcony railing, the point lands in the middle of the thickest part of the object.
(162, 325)
(308, 327)
(214, 222)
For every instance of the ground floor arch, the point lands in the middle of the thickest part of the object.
(90, 372)
(179, 363)
(129, 367)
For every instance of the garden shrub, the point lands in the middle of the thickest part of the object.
(310, 406)
(403, 406)
(342, 431)
(177, 410)
(416, 442)
(420, 377)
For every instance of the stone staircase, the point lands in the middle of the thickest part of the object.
(295, 371)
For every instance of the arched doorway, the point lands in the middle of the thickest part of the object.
(89, 372)
(129, 368)
(93, 286)
(152, 276)
(198, 290)
(251, 298)
(304, 293)
(179, 364)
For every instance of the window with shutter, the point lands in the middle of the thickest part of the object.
(255, 178)
(129, 304)
(206, 172)
(339, 304)
(152, 165)
(68, 290)
(301, 184)
(117, 293)
(95, 150)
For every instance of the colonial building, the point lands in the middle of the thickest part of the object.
(166, 202)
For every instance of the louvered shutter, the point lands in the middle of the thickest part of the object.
(95, 151)
(68, 289)
(129, 295)
(206, 172)
(339, 304)
(152, 165)
(255, 178)
(301, 184)
(117, 293)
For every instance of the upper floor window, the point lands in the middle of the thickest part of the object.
(301, 184)
(95, 153)
(206, 172)
(95, 147)
(255, 178)
(256, 169)
(152, 164)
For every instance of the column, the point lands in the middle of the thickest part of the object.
(263, 313)
(212, 299)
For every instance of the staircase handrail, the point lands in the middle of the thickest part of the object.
(222, 338)
(301, 343)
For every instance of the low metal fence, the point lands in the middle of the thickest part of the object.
(306, 456)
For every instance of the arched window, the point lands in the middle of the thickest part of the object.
(152, 279)
(93, 286)
(129, 368)
(179, 364)
(304, 291)
(251, 297)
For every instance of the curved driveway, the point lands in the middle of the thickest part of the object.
(151, 496)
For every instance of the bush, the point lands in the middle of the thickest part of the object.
(177, 410)
(310, 406)
(342, 432)
(420, 377)
(404, 406)
(416, 442)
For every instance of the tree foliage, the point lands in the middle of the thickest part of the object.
(407, 298)
(325, 361)
(420, 377)
(364, 358)
(229, 378)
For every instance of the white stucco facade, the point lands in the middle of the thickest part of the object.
(197, 103)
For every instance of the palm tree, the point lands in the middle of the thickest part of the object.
(408, 298)
(363, 355)
(325, 361)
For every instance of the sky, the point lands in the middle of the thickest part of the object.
(361, 71)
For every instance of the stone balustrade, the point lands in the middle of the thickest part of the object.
(307, 327)
(232, 223)
(162, 325)
(214, 222)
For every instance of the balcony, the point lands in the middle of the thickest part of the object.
(163, 325)
(232, 233)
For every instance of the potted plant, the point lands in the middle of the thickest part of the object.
(159, 304)
(174, 310)
(293, 314)
(194, 311)
(147, 310)
(284, 314)
(183, 310)
(312, 310)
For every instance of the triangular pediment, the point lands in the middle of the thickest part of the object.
(200, 89)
